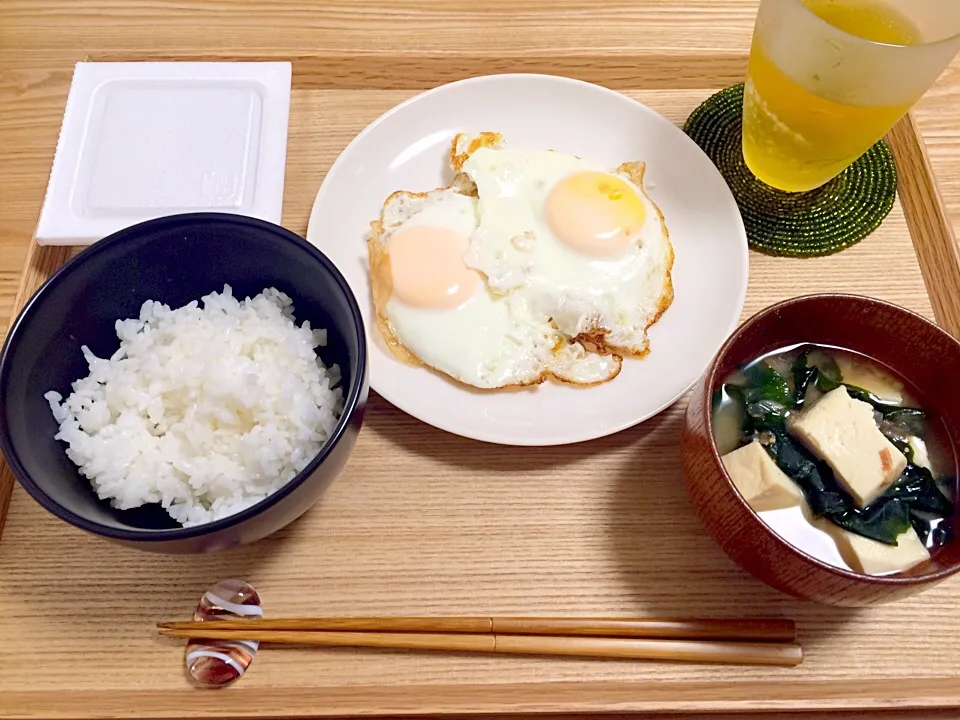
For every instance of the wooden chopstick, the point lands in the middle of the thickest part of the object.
(734, 653)
(760, 630)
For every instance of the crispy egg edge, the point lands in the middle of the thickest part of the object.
(593, 340)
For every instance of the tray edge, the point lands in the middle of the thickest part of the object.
(478, 700)
(939, 258)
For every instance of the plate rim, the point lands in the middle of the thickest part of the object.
(587, 434)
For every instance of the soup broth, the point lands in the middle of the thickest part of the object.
(838, 456)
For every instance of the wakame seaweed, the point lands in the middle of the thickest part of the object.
(823, 494)
(916, 493)
(918, 488)
(911, 420)
(765, 383)
(802, 377)
(883, 520)
(915, 499)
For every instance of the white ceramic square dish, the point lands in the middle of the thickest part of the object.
(407, 149)
(142, 140)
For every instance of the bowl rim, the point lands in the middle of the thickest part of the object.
(710, 381)
(352, 401)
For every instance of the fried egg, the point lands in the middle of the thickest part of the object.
(434, 310)
(583, 245)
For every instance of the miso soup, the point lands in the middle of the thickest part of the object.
(838, 455)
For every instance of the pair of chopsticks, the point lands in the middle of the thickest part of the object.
(734, 642)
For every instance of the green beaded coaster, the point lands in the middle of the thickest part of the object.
(826, 220)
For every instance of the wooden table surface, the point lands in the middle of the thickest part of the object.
(40, 40)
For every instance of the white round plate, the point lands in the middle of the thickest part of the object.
(407, 149)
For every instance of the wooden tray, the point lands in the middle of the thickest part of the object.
(426, 522)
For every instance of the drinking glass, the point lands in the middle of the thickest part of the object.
(828, 78)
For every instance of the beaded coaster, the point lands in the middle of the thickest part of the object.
(809, 224)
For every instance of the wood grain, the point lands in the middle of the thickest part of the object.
(933, 236)
(421, 521)
(733, 699)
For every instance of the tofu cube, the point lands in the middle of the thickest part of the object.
(876, 558)
(870, 378)
(842, 431)
(763, 485)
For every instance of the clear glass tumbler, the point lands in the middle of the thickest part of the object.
(828, 78)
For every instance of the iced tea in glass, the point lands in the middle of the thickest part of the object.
(828, 78)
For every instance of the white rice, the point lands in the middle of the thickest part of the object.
(205, 410)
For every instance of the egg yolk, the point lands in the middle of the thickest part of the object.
(428, 270)
(595, 213)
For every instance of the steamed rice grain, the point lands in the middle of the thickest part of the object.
(206, 409)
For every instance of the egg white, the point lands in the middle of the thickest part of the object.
(608, 302)
(487, 342)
